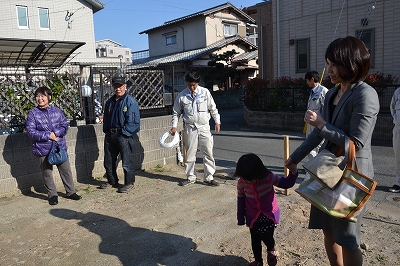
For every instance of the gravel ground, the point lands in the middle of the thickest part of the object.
(160, 223)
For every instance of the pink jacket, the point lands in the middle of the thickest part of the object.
(257, 198)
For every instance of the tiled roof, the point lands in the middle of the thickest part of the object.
(246, 56)
(204, 13)
(185, 56)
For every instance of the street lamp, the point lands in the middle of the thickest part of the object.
(86, 92)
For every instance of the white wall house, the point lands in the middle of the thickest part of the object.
(55, 26)
(113, 51)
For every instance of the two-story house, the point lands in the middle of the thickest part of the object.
(46, 34)
(108, 50)
(190, 40)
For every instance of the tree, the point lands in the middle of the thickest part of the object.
(220, 69)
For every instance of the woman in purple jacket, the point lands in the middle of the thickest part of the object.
(45, 124)
(257, 205)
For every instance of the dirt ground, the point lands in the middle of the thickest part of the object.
(160, 223)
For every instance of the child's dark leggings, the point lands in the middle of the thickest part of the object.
(262, 231)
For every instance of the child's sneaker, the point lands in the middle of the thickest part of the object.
(256, 263)
(272, 258)
(395, 189)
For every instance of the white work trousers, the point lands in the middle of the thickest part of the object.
(396, 148)
(203, 138)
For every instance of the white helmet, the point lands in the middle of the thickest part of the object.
(170, 144)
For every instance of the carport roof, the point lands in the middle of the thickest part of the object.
(38, 53)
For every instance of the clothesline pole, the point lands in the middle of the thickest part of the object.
(286, 156)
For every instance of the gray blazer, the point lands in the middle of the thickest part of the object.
(354, 116)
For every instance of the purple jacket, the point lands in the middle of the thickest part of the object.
(40, 123)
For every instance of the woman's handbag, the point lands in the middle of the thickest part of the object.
(326, 167)
(348, 197)
(57, 154)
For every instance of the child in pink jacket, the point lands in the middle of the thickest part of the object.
(257, 205)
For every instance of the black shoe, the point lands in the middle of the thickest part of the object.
(126, 188)
(74, 196)
(395, 189)
(212, 183)
(108, 185)
(53, 200)
(186, 182)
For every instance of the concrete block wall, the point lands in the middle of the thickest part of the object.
(294, 122)
(19, 168)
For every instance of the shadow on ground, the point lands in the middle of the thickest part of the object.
(141, 246)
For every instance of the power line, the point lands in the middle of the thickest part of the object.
(366, 17)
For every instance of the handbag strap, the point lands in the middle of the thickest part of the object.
(349, 161)
(54, 144)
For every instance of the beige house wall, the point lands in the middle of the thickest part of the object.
(189, 35)
(324, 21)
(193, 34)
(215, 26)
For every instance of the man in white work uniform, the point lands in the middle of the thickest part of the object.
(196, 105)
(315, 103)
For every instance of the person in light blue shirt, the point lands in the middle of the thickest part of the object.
(315, 103)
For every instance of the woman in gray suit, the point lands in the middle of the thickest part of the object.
(351, 110)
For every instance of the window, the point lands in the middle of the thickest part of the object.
(179, 79)
(22, 16)
(44, 23)
(368, 37)
(302, 55)
(127, 52)
(170, 40)
(230, 29)
(111, 51)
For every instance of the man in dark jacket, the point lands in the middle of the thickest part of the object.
(121, 123)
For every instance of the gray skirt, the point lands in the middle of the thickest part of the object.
(345, 234)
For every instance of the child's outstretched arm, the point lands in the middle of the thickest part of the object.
(290, 180)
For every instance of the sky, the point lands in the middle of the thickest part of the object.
(122, 20)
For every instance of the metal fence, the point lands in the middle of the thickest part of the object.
(295, 99)
(153, 88)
